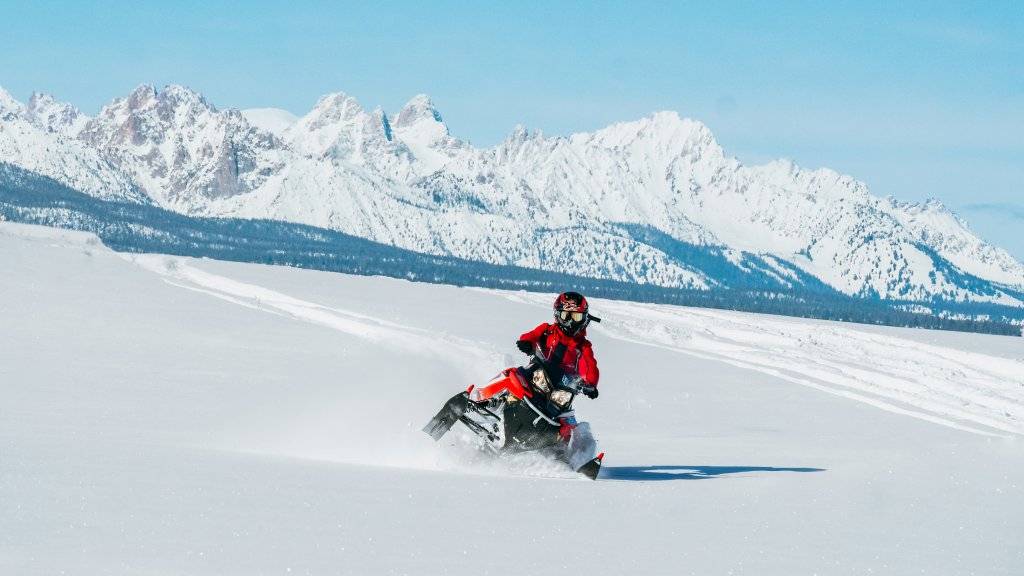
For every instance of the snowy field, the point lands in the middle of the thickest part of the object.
(164, 415)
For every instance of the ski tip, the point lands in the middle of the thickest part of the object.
(592, 468)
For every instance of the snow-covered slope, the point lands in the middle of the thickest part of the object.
(584, 204)
(950, 236)
(163, 415)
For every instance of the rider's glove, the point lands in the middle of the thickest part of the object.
(525, 345)
(589, 391)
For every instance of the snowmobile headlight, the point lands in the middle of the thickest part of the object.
(540, 381)
(561, 397)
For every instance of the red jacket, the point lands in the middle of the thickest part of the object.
(579, 355)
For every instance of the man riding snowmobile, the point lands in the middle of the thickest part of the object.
(565, 343)
(529, 408)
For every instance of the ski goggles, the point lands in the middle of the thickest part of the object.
(565, 316)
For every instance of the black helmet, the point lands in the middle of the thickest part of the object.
(571, 312)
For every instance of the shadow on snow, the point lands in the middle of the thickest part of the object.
(657, 473)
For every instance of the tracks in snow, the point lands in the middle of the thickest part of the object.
(964, 390)
(967, 391)
(178, 272)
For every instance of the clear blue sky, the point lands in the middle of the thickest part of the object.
(918, 101)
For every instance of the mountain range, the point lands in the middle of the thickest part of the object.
(653, 201)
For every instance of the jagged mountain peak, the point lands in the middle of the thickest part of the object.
(42, 99)
(930, 207)
(517, 146)
(664, 133)
(521, 133)
(179, 148)
(52, 115)
(338, 127)
(9, 105)
(419, 125)
(145, 99)
(178, 95)
(935, 205)
(334, 107)
(420, 108)
(137, 98)
(38, 137)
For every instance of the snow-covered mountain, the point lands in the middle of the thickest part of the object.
(42, 137)
(628, 202)
(180, 149)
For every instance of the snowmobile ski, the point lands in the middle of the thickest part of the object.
(592, 468)
(447, 416)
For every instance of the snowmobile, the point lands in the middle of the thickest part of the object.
(524, 409)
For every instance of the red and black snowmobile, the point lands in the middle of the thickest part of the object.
(525, 409)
